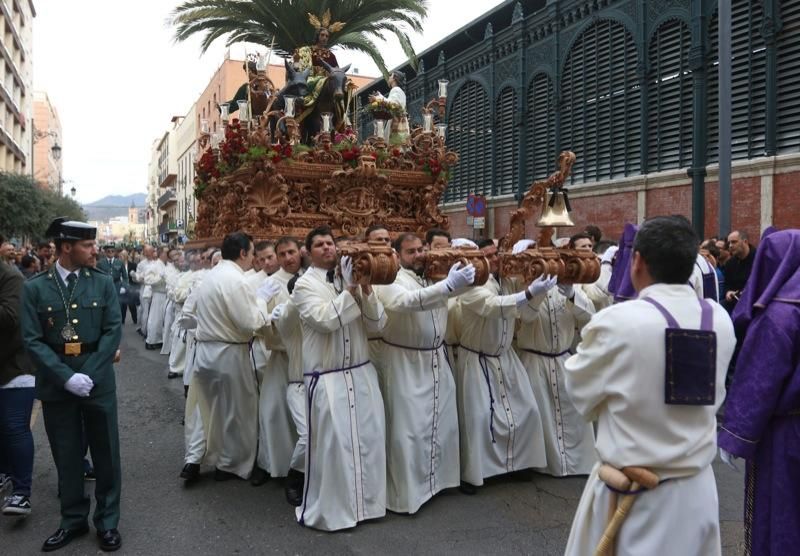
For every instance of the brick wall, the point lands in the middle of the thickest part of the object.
(786, 200)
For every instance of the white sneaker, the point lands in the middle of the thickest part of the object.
(5, 482)
(17, 504)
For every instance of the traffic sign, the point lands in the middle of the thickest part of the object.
(471, 204)
(479, 208)
(479, 222)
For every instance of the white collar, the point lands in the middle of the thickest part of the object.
(64, 273)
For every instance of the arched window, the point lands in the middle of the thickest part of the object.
(469, 134)
(600, 104)
(507, 134)
(748, 93)
(540, 129)
(669, 127)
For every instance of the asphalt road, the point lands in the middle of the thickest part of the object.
(161, 516)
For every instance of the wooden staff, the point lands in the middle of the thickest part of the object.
(628, 479)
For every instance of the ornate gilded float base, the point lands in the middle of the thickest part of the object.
(292, 197)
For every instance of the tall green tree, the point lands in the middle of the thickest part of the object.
(26, 210)
(286, 22)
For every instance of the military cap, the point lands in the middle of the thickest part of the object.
(61, 228)
(109, 245)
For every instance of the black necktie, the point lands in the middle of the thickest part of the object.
(292, 282)
(329, 275)
(71, 279)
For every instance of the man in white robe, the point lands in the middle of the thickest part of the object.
(276, 432)
(500, 425)
(549, 325)
(181, 290)
(416, 380)
(704, 280)
(145, 292)
(155, 277)
(175, 267)
(224, 381)
(193, 435)
(346, 452)
(618, 378)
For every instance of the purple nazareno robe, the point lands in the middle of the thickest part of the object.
(762, 412)
(620, 282)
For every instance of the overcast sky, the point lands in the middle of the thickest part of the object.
(116, 78)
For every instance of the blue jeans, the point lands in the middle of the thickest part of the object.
(16, 439)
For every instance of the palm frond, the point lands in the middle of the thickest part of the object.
(286, 22)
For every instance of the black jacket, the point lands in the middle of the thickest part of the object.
(14, 361)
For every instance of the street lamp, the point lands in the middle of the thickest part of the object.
(56, 150)
(73, 191)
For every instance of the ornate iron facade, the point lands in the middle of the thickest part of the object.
(628, 85)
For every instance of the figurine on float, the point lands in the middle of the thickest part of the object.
(400, 132)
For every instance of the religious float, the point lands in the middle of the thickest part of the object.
(291, 160)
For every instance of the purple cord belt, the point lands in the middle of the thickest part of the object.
(482, 356)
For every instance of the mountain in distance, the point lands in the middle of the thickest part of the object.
(111, 206)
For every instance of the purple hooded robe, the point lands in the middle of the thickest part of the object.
(762, 412)
(620, 282)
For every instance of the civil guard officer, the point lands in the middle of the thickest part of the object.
(71, 327)
(114, 267)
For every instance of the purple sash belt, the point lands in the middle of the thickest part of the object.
(482, 356)
(312, 386)
(545, 354)
(388, 343)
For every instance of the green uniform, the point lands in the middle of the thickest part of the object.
(116, 269)
(93, 312)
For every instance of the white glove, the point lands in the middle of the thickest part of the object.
(268, 289)
(540, 286)
(122, 291)
(608, 255)
(79, 384)
(278, 311)
(521, 246)
(347, 271)
(459, 277)
(728, 459)
(566, 290)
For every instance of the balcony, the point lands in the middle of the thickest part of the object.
(167, 199)
(169, 227)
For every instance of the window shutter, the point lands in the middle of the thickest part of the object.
(669, 126)
(540, 129)
(507, 135)
(601, 112)
(469, 134)
(748, 73)
(789, 78)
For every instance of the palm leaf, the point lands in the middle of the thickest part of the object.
(286, 23)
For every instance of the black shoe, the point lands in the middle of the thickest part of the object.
(63, 537)
(110, 540)
(220, 475)
(294, 487)
(467, 488)
(258, 477)
(173, 375)
(190, 472)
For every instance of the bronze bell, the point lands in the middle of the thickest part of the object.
(555, 213)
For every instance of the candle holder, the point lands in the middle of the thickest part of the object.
(441, 132)
(203, 126)
(225, 112)
(244, 113)
(327, 120)
(261, 62)
(427, 122)
(443, 88)
(379, 128)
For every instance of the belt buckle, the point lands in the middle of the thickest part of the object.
(72, 348)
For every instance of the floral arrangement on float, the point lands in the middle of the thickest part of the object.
(383, 109)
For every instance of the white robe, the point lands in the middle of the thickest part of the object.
(228, 314)
(145, 294)
(289, 329)
(276, 433)
(500, 425)
(617, 379)
(701, 267)
(346, 455)
(597, 292)
(155, 279)
(548, 326)
(170, 280)
(419, 393)
(177, 354)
